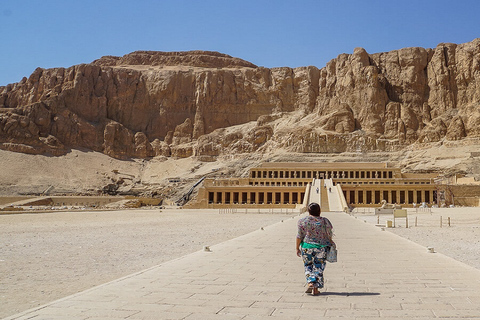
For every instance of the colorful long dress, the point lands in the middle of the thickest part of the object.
(315, 234)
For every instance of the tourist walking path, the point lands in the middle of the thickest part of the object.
(258, 276)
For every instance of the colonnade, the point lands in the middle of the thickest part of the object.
(279, 183)
(256, 197)
(321, 174)
(399, 196)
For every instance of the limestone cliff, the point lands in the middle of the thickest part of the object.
(207, 104)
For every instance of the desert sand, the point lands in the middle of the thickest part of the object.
(47, 256)
(460, 240)
(82, 172)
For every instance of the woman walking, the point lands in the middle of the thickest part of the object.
(314, 238)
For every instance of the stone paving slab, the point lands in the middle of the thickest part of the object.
(258, 276)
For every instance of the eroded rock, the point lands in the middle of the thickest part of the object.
(179, 104)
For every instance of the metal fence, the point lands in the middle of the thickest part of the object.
(423, 220)
(365, 211)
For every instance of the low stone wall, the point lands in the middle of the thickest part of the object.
(7, 200)
(87, 201)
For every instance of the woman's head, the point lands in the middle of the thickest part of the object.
(314, 209)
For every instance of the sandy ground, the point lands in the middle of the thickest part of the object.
(88, 172)
(460, 240)
(44, 257)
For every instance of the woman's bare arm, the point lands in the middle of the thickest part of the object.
(297, 246)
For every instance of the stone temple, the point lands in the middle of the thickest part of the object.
(343, 185)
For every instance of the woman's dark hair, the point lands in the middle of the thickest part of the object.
(314, 209)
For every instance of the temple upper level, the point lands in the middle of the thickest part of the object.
(340, 172)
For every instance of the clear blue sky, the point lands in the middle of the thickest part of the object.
(62, 33)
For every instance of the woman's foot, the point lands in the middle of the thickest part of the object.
(310, 288)
(315, 292)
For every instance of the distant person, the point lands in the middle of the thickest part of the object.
(317, 190)
(329, 189)
(314, 238)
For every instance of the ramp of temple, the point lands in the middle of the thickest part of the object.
(335, 186)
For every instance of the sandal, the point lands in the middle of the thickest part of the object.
(310, 288)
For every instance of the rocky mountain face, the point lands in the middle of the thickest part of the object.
(207, 104)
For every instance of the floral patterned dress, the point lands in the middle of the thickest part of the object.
(316, 235)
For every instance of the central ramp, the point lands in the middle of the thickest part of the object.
(316, 192)
(335, 196)
(329, 196)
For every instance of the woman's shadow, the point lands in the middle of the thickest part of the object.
(349, 294)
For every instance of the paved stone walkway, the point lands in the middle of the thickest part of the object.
(258, 276)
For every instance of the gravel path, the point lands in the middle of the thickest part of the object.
(44, 257)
